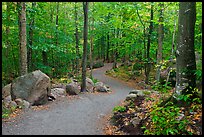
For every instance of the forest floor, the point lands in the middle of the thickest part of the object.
(83, 114)
(120, 122)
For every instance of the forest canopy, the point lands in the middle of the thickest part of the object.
(119, 28)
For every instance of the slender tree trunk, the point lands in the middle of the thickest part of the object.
(44, 56)
(160, 42)
(57, 23)
(23, 49)
(144, 39)
(115, 52)
(148, 64)
(57, 41)
(84, 59)
(173, 39)
(185, 52)
(103, 48)
(31, 24)
(7, 40)
(77, 39)
(108, 47)
(52, 50)
(91, 47)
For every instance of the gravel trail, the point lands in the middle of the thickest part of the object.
(80, 115)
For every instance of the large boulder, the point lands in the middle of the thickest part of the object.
(33, 87)
(89, 85)
(73, 88)
(6, 91)
(100, 87)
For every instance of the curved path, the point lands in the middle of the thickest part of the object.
(78, 116)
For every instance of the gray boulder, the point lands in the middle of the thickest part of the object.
(131, 96)
(100, 87)
(89, 85)
(73, 88)
(6, 91)
(33, 87)
(137, 92)
(58, 92)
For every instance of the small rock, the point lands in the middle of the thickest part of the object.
(58, 91)
(131, 96)
(26, 104)
(156, 92)
(7, 100)
(73, 88)
(12, 105)
(138, 92)
(100, 87)
(6, 91)
(135, 121)
(89, 85)
(19, 101)
(180, 117)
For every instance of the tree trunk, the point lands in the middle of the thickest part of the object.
(57, 23)
(173, 38)
(160, 42)
(7, 40)
(144, 39)
(148, 64)
(52, 50)
(23, 49)
(77, 39)
(108, 46)
(57, 41)
(31, 24)
(115, 53)
(185, 52)
(83, 85)
(44, 56)
(91, 47)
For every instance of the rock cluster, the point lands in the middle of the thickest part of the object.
(35, 89)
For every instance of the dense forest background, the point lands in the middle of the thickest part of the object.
(117, 32)
(156, 47)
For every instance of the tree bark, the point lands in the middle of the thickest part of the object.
(144, 40)
(185, 52)
(108, 46)
(57, 41)
(91, 47)
(23, 49)
(77, 39)
(52, 50)
(160, 41)
(148, 64)
(115, 52)
(173, 39)
(7, 40)
(84, 59)
(31, 25)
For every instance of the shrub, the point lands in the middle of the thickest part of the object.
(119, 109)
(165, 121)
